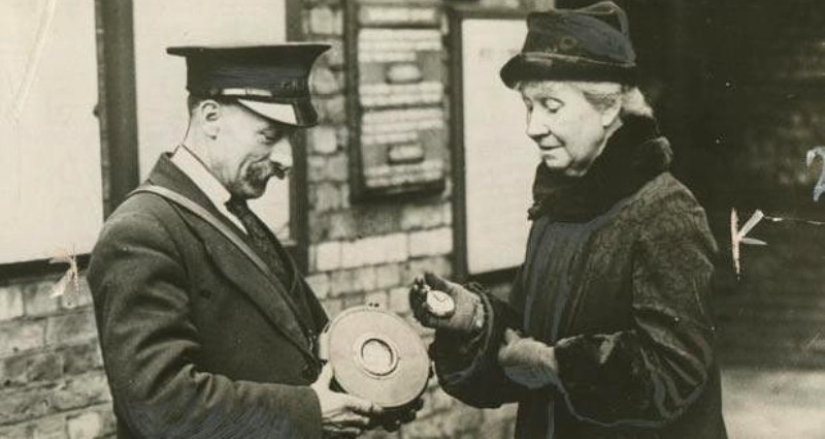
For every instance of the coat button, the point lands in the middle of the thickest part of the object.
(308, 373)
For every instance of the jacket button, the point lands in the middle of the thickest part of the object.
(308, 372)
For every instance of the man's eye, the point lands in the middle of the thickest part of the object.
(271, 138)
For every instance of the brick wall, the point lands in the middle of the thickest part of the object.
(52, 383)
(370, 252)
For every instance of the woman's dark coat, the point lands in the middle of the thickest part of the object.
(197, 341)
(616, 277)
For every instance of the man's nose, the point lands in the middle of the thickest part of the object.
(282, 153)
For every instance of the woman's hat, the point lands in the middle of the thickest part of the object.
(587, 44)
(272, 80)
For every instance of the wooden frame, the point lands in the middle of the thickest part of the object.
(456, 16)
(360, 191)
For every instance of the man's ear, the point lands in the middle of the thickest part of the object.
(209, 113)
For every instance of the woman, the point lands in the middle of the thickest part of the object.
(608, 332)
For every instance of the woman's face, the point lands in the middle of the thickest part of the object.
(569, 131)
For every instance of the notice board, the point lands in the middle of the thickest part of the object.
(396, 113)
(494, 161)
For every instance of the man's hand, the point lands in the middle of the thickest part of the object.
(528, 362)
(468, 315)
(342, 414)
(392, 421)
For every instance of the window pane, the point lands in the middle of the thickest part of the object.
(50, 181)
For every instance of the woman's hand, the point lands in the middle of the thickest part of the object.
(528, 362)
(464, 315)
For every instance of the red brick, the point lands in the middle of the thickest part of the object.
(109, 420)
(53, 427)
(21, 336)
(324, 140)
(399, 300)
(439, 265)
(331, 110)
(324, 197)
(82, 391)
(15, 432)
(38, 299)
(88, 425)
(379, 219)
(11, 303)
(324, 82)
(418, 217)
(334, 57)
(388, 275)
(328, 168)
(353, 301)
(352, 281)
(343, 225)
(71, 328)
(333, 307)
(431, 242)
(25, 369)
(82, 358)
(322, 21)
(319, 284)
(24, 404)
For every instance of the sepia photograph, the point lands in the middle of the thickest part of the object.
(412, 219)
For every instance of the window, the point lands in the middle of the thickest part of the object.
(50, 183)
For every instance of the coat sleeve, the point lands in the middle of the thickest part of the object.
(468, 369)
(650, 374)
(149, 345)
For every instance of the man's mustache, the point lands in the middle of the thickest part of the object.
(266, 169)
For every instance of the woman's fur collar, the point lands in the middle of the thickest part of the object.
(634, 154)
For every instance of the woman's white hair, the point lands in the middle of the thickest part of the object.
(604, 95)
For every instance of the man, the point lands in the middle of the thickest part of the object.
(608, 331)
(207, 328)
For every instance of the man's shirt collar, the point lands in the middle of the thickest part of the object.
(214, 190)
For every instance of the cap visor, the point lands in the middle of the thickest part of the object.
(283, 113)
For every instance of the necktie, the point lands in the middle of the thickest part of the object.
(264, 242)
(260, 237)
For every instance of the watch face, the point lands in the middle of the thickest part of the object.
(440, 304)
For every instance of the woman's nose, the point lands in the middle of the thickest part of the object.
(537, 124)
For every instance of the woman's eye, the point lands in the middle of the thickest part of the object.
(551, 105)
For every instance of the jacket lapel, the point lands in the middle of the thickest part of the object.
(265, 290)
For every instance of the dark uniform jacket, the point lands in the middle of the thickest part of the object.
(616, 278)
(197, 341)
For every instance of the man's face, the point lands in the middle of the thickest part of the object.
(568, 130)
(250, 150)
